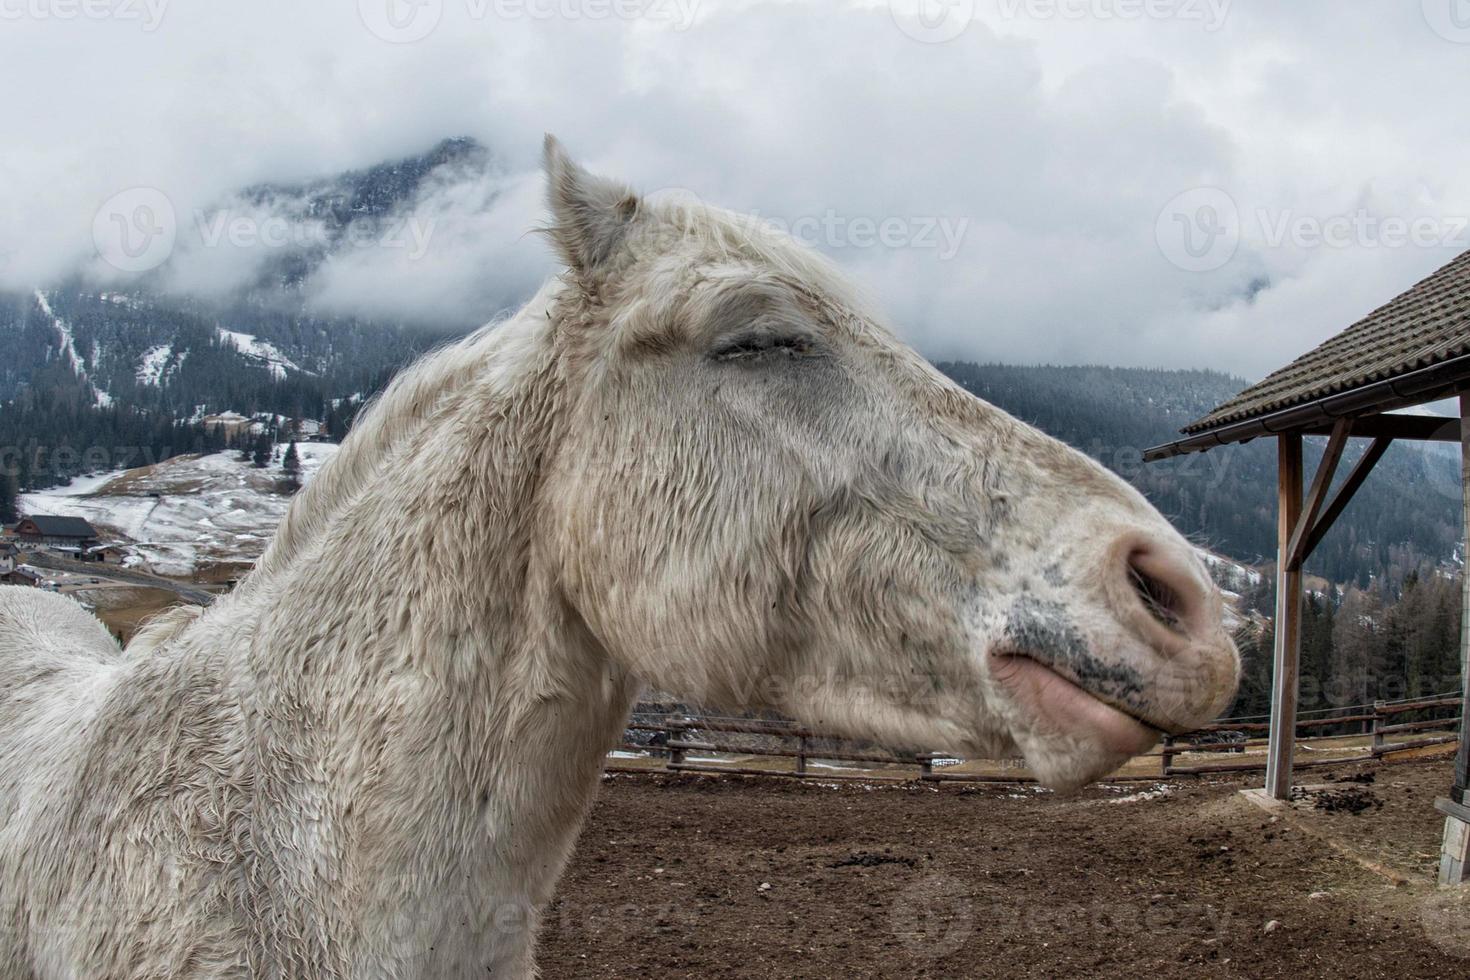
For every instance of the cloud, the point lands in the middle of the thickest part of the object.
(1043, 185)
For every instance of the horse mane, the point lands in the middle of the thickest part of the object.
(393, 418)
(161, 627)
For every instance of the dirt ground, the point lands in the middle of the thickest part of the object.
(694, 876)
(123, 610)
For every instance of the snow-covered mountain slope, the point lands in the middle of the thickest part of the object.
(259, 350)
(186, 513)
(154, 364)
(1228, 573)
(1233, 578)
(157, 344)
(69, 350)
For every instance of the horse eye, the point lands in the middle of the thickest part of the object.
(763, 345)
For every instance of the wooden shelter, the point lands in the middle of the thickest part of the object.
(1413, 350)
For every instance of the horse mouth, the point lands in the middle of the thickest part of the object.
(1060, 704)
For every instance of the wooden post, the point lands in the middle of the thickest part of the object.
(1287, 655)
(1166, 755)
(679, 729)
(1462, 759)
(1377, 724)
(1455, 854)
(1454, 861)
(801, 755)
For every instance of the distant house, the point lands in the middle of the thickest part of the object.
(56, 532)
(231, 423)
(111, 553)
(7, 557)
(20, 575)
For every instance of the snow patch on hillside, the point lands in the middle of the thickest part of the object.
(267, 353)
(1233, 578)
(153, 363)
(68, 342)
(69, 350)
(1228, 573)
(186, 512)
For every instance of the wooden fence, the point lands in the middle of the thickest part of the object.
(1382, 729)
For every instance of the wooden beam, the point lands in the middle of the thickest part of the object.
(1455, 854)
(1462, 760)
(1344, 494)
(1297, 551)
(1417, 428)
(1287, 655)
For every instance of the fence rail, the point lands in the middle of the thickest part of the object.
(675, 737)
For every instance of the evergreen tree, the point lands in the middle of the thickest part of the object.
(291, 466)
(261, 456)
(1354, 640)
(1316, 654)
(9, 504)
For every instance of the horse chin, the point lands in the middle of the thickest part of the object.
(1068, 737)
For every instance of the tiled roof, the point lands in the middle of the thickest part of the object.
(1424, 326)
(62, 527)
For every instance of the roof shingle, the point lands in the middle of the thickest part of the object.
(1427, 324)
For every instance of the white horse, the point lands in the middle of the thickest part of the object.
(695, 460)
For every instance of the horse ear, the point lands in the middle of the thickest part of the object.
(590, 214)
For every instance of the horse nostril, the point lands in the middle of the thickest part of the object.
(1163, 602)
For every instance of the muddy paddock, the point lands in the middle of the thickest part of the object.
(692, 876)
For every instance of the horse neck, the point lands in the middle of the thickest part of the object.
(409, 652)
(423, 535)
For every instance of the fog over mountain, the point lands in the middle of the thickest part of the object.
(1078, 152)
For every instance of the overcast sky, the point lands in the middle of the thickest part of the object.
(1140, 182)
